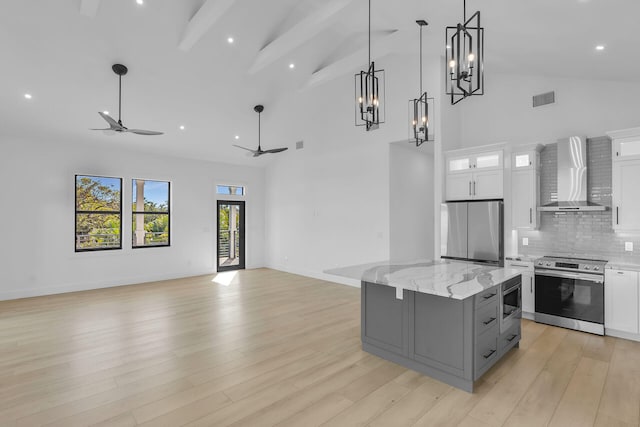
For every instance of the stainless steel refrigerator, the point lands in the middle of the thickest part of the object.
(473, 231)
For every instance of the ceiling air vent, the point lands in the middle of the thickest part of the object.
(299, 145)
(544, 99)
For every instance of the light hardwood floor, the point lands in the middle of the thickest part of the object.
(275, 348)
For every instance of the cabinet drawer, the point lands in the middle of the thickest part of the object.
(486, 351)
(486, 318)
(490, 296)
(509, 338)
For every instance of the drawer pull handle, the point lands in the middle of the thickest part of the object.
(488, 355)
(489, 296)
(487, 322)
(512, 337)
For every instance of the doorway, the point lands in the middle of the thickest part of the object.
(230, 247)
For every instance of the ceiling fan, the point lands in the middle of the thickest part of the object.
(259, 152)
(114, 126)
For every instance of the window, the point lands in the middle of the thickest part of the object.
(230, 190)
(150, 209)
(98, 213)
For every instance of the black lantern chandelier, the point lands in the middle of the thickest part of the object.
(419, 108)
(465, 56)
(369, 87)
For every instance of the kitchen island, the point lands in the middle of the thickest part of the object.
(446, 319)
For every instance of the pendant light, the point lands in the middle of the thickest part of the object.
(465, 56)
(369, 88)
(419, 113)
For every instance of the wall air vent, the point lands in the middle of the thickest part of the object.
(299, 145)
(544, 99)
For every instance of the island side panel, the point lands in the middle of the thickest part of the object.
(385, 319)
(442, 331)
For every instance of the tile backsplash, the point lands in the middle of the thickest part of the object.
(586, 233)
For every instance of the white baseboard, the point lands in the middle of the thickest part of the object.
(103, 284)
(316, 275)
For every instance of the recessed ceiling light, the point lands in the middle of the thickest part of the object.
(230, 40)
(600, 47)
(140, 2)
(292, 65)
(181, 127)
(448, 46)
(28, 96)
(105, 112)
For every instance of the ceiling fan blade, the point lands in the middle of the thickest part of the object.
(143, 132)
(109, 120)
(275, 150)
(245, 148)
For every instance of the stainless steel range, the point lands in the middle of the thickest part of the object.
(570, 293)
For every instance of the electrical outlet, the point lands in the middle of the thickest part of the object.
(525, 241)
(628, 246)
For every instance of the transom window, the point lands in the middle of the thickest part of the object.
(98, 213)
(150, 210)
(230, 190)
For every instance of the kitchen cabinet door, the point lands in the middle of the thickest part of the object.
(626, 203)
(459, 186)
(487, 184)
(528, 292)
(524, 190)
(621, 300)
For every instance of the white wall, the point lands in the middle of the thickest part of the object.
(582, 107)
(37, 255)
(328, 204)
(411, 201)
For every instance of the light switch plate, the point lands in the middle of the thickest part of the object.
(628, 246)
(525, 241)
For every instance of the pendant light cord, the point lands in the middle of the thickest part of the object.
(421, 60)
(464, 10)
(259, 149)
(120, 100)
(369, 32)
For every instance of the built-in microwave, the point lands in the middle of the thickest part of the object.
(510, 303)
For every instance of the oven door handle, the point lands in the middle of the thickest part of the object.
(565, 275)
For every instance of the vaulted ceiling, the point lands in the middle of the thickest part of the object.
(183, 71)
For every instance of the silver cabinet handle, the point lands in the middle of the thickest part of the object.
(488, 296)
(531, 284)
(512, 337)
(469, 187)
(620, 272)
(488, 355)
(617, 217)
(474, 188)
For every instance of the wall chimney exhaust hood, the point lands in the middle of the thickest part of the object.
(572, 178)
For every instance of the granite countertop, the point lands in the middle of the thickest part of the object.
(449, 279)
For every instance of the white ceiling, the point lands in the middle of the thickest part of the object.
(64, 57)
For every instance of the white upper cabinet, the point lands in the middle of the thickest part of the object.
(525, 189)
(475, 176)
(626, 176)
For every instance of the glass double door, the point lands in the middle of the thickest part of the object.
(230, 237)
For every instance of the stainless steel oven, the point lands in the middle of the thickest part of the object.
(570, 293)
(510, 303)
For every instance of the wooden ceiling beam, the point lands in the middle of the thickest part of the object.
(299, 34)
(205, 18)
(353, 61)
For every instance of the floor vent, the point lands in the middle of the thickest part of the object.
(544, 99)
(299, 145)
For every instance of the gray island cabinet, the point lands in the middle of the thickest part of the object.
(445, 319)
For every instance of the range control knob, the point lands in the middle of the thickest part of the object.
(596, 268)
(539, 262)
(586, 267)
(548, 264)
